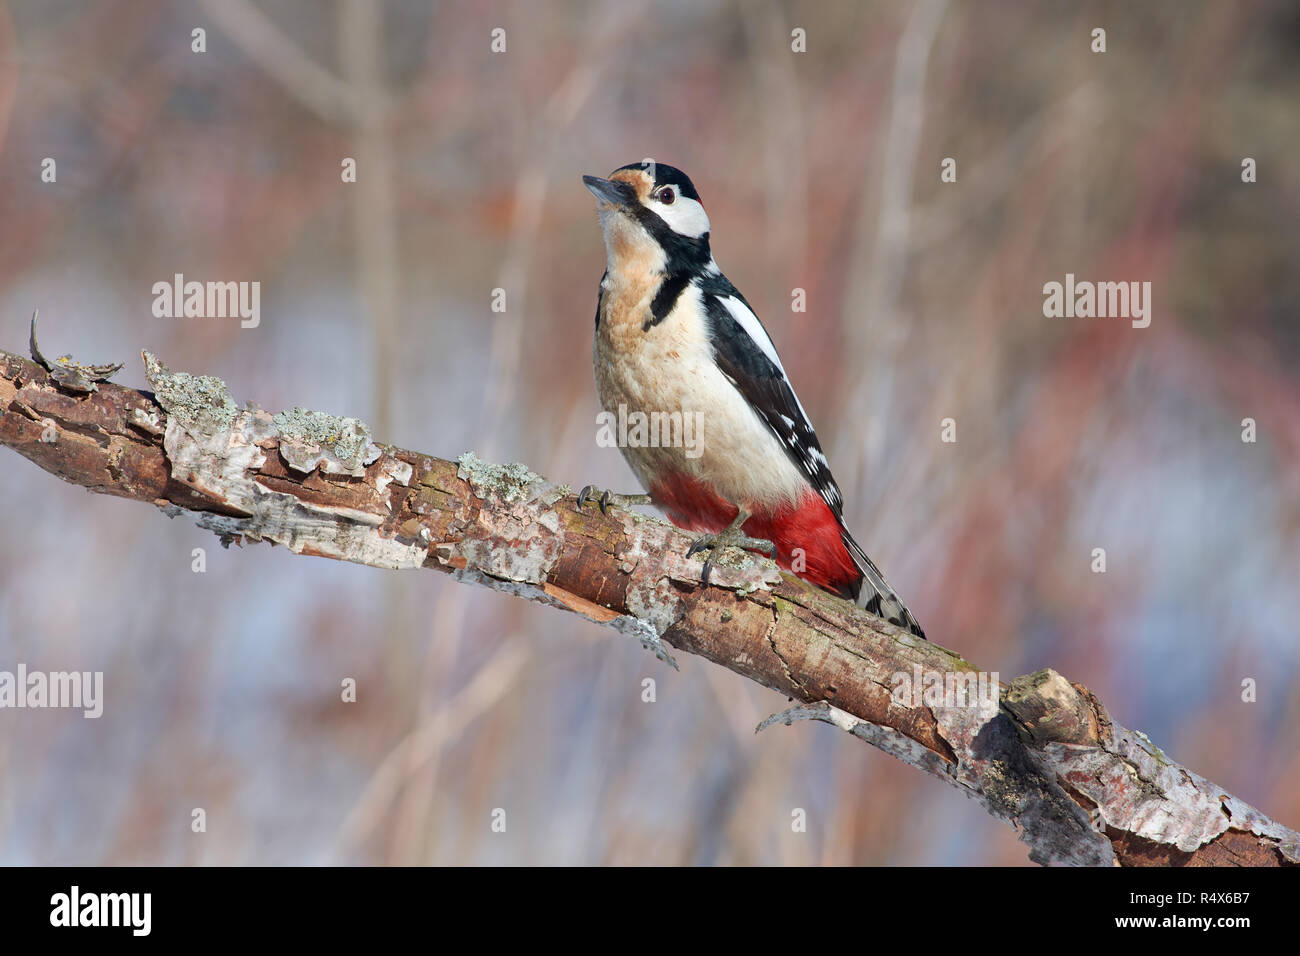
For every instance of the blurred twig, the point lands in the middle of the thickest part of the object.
(541, 133)
(876, 338)
(425, 742)
(311, 84)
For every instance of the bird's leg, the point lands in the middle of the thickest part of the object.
(729, 537)
(606, 498)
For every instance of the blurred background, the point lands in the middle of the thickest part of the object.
(820, 171)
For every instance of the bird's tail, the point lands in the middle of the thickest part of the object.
(875, 594)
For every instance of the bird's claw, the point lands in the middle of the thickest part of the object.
(732, 537)
(702, 543)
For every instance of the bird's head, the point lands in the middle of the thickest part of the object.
(652, 219)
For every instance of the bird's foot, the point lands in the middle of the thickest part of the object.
(729, 537)
(606, 498)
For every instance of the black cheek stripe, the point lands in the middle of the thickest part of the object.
(670, 290)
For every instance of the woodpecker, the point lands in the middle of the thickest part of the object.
(673, 335)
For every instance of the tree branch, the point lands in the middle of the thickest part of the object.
(1045, 756)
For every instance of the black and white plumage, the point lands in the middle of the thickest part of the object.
(673, 334)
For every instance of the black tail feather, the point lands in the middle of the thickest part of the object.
(874, 593)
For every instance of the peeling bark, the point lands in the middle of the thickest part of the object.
(1044, 756)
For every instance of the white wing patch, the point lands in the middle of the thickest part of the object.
(754, 328)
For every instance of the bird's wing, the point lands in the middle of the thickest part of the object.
(745, 354)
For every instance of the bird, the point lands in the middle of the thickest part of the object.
(674, 337)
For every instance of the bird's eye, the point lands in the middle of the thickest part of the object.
(667, 195)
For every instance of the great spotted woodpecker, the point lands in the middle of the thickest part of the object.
(673, 335)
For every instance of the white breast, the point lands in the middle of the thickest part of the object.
(670, 369)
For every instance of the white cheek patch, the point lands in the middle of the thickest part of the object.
(686, 217)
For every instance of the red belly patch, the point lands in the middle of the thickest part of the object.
(806, 535)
